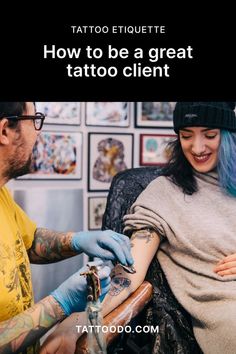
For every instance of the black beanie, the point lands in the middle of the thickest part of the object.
(219, 115)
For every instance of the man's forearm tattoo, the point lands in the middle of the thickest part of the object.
(50, 246)
(144, 234)
(23, 330)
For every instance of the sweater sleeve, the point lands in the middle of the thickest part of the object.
(146, 212)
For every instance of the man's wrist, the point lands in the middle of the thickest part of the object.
(60, 313)
(75, 246)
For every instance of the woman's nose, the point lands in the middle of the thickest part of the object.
(198, 146)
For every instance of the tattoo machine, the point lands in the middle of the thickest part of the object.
(96, 340)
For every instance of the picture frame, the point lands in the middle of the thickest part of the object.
(109, 114)
(153, 149)
(66, 113)
(57, 155)
(154, 114)
(96, 209)
(108, 153)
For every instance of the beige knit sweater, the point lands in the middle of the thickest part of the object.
(197, 231)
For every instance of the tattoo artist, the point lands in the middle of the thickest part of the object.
(22, 322)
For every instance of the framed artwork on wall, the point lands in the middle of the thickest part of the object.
(109, 114)
(154, 114)
(60, 112)
(154, 149)
(96, 209)
(56, 155)
(108, 154)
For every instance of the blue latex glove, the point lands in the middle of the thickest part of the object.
(107, 245)
(72, 293)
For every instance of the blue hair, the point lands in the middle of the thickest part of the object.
(227, 162)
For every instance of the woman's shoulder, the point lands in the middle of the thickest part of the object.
(161, 184)
(161, 188)
(161, 181)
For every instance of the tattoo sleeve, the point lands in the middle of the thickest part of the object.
(50, 246)
(21, 331)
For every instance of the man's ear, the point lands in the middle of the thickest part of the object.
(5, 132)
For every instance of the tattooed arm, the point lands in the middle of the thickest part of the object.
(144, 246)
(50, 246)
(23, 330)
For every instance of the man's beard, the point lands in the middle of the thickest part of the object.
(15, 169)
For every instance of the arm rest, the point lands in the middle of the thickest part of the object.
(121, 315)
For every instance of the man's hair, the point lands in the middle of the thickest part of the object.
(12, 109)
(180, 171)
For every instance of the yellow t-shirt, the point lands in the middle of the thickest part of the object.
(16, 237)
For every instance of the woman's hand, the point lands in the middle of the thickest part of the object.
(227, 266)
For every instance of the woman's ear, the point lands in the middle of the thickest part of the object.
(4, 132)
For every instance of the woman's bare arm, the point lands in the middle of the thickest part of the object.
(144, 245)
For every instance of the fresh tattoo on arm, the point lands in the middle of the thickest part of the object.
(23, 330)
(50, 246)
(144, 234)
(118, 283)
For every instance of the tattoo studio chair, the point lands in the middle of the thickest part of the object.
(153, 303)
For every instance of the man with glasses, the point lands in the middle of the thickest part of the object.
(21, 322)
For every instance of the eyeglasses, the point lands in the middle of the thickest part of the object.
(38, 119)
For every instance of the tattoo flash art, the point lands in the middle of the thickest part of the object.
(143, 234)
(118, 283)
(110, 160)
